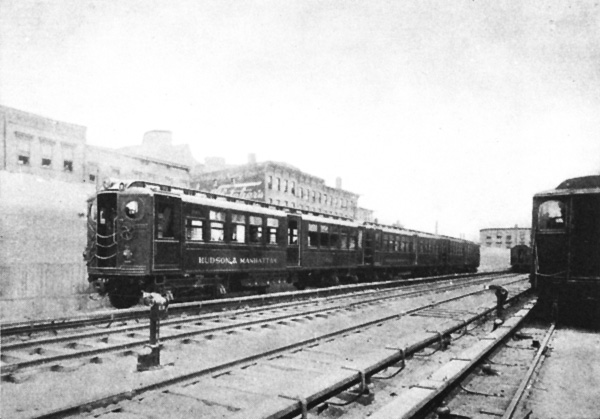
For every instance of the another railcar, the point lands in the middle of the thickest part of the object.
(566, 243)
(520, 258)
(145, 236)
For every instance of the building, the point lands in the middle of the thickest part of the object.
(505, 237)
(40, 146)
(279, 184)
(47, 172)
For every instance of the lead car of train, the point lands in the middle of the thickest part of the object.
(566, 244)
(150, 237)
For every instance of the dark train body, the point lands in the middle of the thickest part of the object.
(520, 258)
(566, 244)
(149, 237)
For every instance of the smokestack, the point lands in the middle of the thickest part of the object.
(338, 182)
(251, 158)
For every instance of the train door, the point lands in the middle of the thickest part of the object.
(585, 236)
(371, 237)
(293, 240)
(550, 238)
(167, 233)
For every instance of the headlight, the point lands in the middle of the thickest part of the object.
(127, 254)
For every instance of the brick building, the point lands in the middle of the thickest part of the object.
(280, 184)
(505, 238)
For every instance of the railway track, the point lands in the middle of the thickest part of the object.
(487, 380)
(140, 313)
(266, 338)
(20, 354)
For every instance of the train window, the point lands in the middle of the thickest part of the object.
(324, 236)
(238, 231)
(217, 215)
(132, 209)
(272, 227)
(255, 228)
(313, 235)
(217, 231)
(334, 238)
(344, 240)
(360, 239)
(397, 244)
(193, 230)
(164, 220)
(551, 215)
(293, 232)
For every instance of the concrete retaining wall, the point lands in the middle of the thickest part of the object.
(42, 238)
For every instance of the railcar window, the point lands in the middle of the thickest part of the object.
(217, 231)
(132, 209)
(293, 232)
(255, 229)
(272, 227)
(238, 231)
(193, 230)
(324, 236)
(164, 220)
(344, 239)
(217, 226)
(551, 215)
(313, 235)
(335, 238)
(359, 242)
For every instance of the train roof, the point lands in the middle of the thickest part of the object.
(575, 186)
(401, 230)
(226, 201)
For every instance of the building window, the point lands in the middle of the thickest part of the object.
(68, 153)
(270, 182)
(46, 147)
(293, 189)
(23, 148)
(301, 193)
(285, 185)
(278, 181)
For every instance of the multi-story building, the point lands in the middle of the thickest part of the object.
(40, 146)
(280, 184)
(58, 150)
(505, 237)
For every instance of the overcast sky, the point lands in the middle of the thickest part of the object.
(453, 112)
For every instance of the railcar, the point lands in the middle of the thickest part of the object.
(520, 258)
(145, 236)
(566, 243)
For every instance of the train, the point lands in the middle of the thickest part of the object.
(188, 244)
(566, 245)
(520, 258)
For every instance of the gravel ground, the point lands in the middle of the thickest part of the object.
(568, 384)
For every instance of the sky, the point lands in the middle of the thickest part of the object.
(437, 112)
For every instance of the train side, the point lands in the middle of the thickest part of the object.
(566, 243)
(186, 244)
(520, 258)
